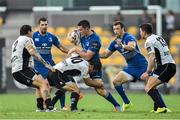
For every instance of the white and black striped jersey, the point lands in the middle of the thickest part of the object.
(74, 66)
(156, 44)
(20, 57)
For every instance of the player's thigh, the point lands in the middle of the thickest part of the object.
(122, 77)
(26, 76)
(152, 83)
(39, 81)
(165, 72)
(72, 87)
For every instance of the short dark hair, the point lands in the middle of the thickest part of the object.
(84, 24)
(147, 27)
(25, 29)
(42, 19)
(118, 23)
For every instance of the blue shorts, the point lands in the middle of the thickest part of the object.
(136, 72)
(42, 70)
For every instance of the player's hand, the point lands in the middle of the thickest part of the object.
(118, 42)
(71, 51)
(145, 76)
(50, 68)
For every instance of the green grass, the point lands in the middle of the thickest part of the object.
(22, 106)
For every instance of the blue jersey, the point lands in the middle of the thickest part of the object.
(93, 43)
(43, 46)
(136, 62)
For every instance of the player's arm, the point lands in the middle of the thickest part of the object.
(106, 54)
(151, 62)
(86, 55)
(63, 48)
(32, 51)
(130, 46)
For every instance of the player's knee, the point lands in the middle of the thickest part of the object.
(44, 86)
(117, 82)
(100, 83)
(101, 92)
(147, 88)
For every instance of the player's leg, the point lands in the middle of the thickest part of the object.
(120, 78)
(107, 95)
(39, 100)
(162, 74)
(152, 92)
(93, 83)
(58, 95)
(75, 94)
(44, 90)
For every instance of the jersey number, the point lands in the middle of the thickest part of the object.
(76, 60)
(15, 45)
(162, 41)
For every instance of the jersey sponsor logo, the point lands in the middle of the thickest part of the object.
(50, 39)
(95, 44)
(87, 43)
(36, 39)
(44, 44)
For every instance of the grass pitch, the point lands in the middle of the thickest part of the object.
(23, 106)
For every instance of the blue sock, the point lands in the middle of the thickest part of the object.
(122, 93)
(110, 98)
(160, 98)
(62, 101)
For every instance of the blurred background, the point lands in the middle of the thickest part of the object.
(63, 16)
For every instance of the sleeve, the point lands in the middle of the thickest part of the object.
(56, 42)
(130, 39)
(85, 74)
(29, 42)
(149, 47)
(94, 46)
(111, 46)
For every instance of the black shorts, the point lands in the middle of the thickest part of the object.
(25, 76)
(97, 70)
(58, 79)
(165, 72)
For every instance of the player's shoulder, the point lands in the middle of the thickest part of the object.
(129, 36)
(23, 38)
(95, 37)
(151, 39)
(36, 33)
(50, 34)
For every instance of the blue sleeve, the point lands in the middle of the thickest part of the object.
(56, 42)
(111, 46)
(34, 34)
(94, 46)
(129, 39)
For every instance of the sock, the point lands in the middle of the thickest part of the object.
(155, 106)
(49, 104)
(110, 98)
(160, 98)
(62, 100)
(40, 103)
(54, 100)
(59, 95)
(155, 97)
(122, 93)
(74, 100)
